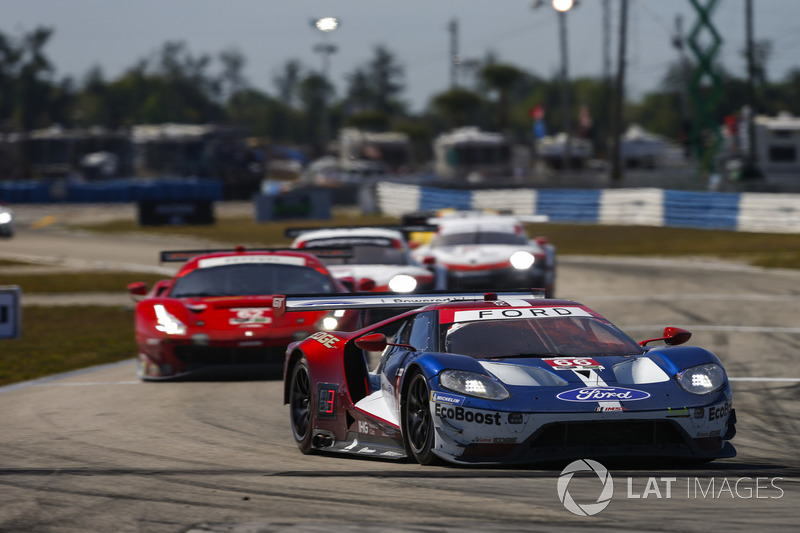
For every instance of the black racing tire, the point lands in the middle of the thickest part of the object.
(301, 406)
(418, 429)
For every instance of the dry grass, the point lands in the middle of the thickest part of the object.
(60, 339)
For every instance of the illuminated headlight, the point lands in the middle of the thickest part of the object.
(166, 322)
(472, 384)
(522, 260)
(329, 323)
(702, 379)
(5, 218)
(402, 283)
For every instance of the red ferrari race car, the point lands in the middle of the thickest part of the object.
(216, 315)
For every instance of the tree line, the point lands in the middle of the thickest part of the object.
(173, 84)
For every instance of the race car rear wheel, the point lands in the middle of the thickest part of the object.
(300, 406)
(418, 430)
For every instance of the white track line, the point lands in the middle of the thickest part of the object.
(790, 380)
(735, 329)
(739, 297)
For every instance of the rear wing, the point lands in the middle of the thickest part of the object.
(282, 304)
(432, 219)
(175, 256)
(405, 229)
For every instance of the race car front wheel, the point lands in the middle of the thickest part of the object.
(300, 406)
(418, 430)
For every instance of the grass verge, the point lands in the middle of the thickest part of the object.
(77, 282)
(759, 249)
(60, 339)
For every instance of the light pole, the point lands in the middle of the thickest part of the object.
(326, 25)
(562, 7)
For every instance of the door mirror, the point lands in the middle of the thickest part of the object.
(137, 290)
(672, 337)
(373, 342)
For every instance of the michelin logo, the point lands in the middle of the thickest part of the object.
(444, 397)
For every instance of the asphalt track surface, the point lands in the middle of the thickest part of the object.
(97, 450)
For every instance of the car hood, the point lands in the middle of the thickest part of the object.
(218, 313)
(639, 383)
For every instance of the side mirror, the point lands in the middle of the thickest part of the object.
(672, 337)
(137, 290)
(349, 283)
(366, 285)
(374, 342)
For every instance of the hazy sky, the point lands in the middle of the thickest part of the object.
(116, 33)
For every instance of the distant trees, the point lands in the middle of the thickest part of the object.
(27, 91)
(173, 84)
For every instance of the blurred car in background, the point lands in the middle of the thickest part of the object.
(6, 221)
(216, 315)
(377, 259)
(489, 251)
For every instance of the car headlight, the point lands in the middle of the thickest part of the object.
(702, 379)
(329, 323)
(522, 260)
(5, 218)
(472, 384)
(166, 321)
(402, 283)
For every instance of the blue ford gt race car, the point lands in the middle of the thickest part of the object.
(506, 377)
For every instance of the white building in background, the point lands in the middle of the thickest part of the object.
(471, 154)
(778, 145)
(389, 150)
(551, 150)
(640, 148)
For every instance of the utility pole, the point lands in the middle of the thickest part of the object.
(562, 25)
(750, 169)
(604, 114)
(677, 42)
(454, 59)
(606, 40)
(619, 98)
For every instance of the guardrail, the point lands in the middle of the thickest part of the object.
(752, 211)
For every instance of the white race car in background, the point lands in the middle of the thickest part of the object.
(489, 251)
(380, 259)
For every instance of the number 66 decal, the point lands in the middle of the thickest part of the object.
(572, 363)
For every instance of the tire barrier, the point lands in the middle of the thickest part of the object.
(751, 211)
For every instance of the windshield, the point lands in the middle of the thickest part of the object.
(251, 280)
(537, 337)
(479, 237)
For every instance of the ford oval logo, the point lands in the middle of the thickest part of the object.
(602, 394)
